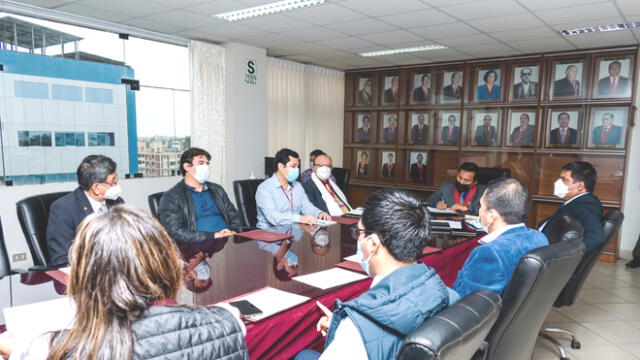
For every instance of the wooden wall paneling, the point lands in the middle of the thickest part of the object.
(610, 176)
(522, 165)
(549, 171)
(444, 166)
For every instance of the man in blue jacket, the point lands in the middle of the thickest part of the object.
(404, 292)
(503, 210)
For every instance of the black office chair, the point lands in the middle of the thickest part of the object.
(611, 223)
(154, 203)
(33, 214)
(456, 332)
(485, 174)
(245, 191)
(269, 166)
(539, 276)
(342, 178)
(5, 265)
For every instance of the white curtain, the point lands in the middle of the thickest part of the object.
(305, 109)
(208, 103)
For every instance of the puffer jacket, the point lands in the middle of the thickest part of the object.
(177, 213)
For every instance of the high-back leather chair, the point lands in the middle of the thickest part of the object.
(269, 166)
(611, 223)
(154, 203)
(486, 174)
(245, 191)
(539, 276)
(342, 177)
(33, 214)
(456, 332)
(5, 265)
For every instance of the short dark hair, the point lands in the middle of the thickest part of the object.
(471, 167)
(316, 152)
(509, 198)
(282, 157)
(425, 76)
(486, 75)
(94, 169)
(401, 221)
(615, 62)
(564, 113)
(583, 171)
(189, 154)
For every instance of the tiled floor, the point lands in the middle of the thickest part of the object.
(606, 317)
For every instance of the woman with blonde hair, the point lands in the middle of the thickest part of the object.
(125, 273)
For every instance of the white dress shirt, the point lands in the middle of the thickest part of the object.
(96, 205)
(495, 234)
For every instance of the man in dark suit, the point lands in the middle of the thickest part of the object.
(450, 133)
(453, 91)
(563, 134)
(569, 85)
(322, 191)
(526, 89)
(419, 131)
(575, 186)
(364, 94)
(423, 92)
(523, 134)
(391, 94)
(607, 133)
(614, 84)
(98, 191)
(362, 134)
(390, 133)
(418, 170)
(389, 169)
(462, 195)
(486, 134)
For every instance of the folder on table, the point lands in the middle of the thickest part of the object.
(263, 235)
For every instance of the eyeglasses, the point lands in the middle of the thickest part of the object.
(112, 183)
(355, 232)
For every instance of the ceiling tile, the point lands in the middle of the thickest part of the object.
(154, 26)
(83, 10)
(473, 40)
(336, 65)
(325, 14)
(610, 38)
(537, 5)
(442, 55)
(484, 9)
(491, 51)
(391, 37)
(214, 7)
(130, 8)
(366, 62)
(361, 27)
(401, 59)
(184, 18)
(304, 48)
(445, 31)
(441, 3)
(178, 4)
(543, 45)
(314, 34)
(381, 8)
(268, 40)
(418, 18)
(513, 22)
(630, 9)
(231, 30)
(202, 36)
(48, 4)
(581, 13)
(274, 23)
(586, 23)
(542, 32)
(305, 59)
(349, 44)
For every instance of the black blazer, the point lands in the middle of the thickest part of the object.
(65, 214)
(555, 136)
(587, 209)
(314, 195)
(563, 87)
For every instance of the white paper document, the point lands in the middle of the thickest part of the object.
(35, 319)
(452, 224)
(66, 270)
(436, 211)
(353, 257)
(271, 301)
(329, 278)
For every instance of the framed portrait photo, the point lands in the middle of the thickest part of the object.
(362, 168)
(449, 122)
(419, 128)
(608, 127)
(488, 82)
(484, 129)
(614, 77)
(417, 166)
(389, 133)
(564, 128)
(567, 80)
(364, 92)
(421, 92)
(390, 89)
(452, 86)
(522, 127)
(364, 131)
(388, 168)
(525, 84)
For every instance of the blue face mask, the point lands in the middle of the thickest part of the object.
(363, 262)
(292, 175)
(292, 258)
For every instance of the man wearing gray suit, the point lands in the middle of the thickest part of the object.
(462, 195)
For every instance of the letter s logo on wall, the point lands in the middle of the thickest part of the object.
(250, 70)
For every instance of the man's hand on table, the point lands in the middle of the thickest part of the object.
(459, 208)
(324, 216)
(223, 233)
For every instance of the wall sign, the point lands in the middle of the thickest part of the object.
(250, 76)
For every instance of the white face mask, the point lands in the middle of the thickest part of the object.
(323, 173)
(560, 189)
(484, 227)
(322, 238)
(202, 173)
(113, 192)
(203, 271)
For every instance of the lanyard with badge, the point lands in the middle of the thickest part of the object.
(290, 199)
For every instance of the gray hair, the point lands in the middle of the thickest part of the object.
(509, 198)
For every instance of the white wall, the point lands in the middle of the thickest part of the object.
(246, 115)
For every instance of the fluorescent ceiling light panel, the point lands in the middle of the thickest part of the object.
(402, 51)
(595, 29)
(267, 9)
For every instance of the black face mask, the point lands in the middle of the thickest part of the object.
(462, 187)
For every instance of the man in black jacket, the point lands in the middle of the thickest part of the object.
(575, 186)
(322, 190)
(194, 209)
(98, 190)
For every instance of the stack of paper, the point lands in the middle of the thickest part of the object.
(271, 301)
(31, 320)
(437, 211)
(329, 278)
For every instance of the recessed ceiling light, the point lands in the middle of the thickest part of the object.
(402, 51)
(594, 29)
(267, 9)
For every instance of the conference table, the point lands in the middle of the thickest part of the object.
(236, 266)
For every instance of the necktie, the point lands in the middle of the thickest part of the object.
(337, 199)
(604, 134)
(520, 134)
(562, 135)
(450, 134)
(487, 133)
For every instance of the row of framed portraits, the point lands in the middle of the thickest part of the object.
(389, 165)
(611, 76)
(563, 127)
